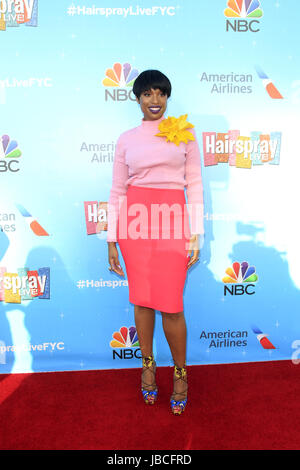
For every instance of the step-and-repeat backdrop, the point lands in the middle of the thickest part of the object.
(67, 70)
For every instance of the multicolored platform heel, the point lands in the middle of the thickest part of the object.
(178, 406)
(149, 391)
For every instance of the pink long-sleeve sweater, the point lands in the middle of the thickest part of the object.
(143, 159)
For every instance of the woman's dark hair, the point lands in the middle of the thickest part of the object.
(151, 79)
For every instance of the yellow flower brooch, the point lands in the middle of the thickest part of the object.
(174, 129)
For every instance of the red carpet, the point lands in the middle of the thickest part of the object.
(236, 406)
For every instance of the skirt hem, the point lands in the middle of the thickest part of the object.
(146, 304)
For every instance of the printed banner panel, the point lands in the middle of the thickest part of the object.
(66, 96)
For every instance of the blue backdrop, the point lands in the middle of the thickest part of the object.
(66, 95)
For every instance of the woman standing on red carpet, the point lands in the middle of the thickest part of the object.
(149, 218)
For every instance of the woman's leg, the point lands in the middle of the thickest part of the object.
(175, 331)
(144, 322)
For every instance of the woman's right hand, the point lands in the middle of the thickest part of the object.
(113, 258)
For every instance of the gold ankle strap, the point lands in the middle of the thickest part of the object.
(148, 361)
(180, 372)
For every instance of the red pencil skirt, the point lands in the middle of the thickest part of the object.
(153, 233)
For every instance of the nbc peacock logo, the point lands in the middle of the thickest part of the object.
(243, 9)
(117, 81)
(9, 154)
(125, 343)
(238, 275)
(249, 10)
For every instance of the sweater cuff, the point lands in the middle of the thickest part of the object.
(196, 212)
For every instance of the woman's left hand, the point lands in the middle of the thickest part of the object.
(194, 246)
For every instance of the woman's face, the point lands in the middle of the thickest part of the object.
(153, 104)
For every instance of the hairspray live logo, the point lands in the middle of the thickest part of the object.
(16, 12)
(25, 284)
(241, 151)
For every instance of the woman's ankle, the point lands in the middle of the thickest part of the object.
(148, 361)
